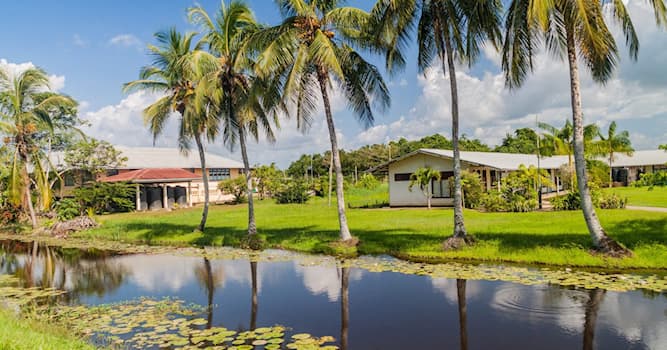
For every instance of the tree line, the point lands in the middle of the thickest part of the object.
(235, 80)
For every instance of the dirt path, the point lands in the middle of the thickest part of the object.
(654, 209)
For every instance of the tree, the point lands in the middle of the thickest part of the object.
(447, 30)
(25, 111)
(312, 50)
(614, 143)
(663, 147)
(578, 29)
(92, 157)
(173, 73)
(237, 187)
(423, 177)
(523, 141)
(243, 102)
(267, 178)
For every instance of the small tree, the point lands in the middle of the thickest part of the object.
(236, 187)
(614, 143)
(93, 157)
(423, 177)
(267, 179)
(663, 147)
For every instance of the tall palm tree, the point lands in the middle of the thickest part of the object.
(312, 50)
(447, 31)
(243, 102)
(26, 110)
(174, 75)
(614, 143)
(578, 30)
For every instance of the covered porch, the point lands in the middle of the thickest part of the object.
(157, 189)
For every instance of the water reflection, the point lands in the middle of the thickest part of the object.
(363, 310)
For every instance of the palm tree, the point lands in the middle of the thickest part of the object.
(243, 102)
(311, 50)
(447, 30)
(578, 29)
(463, 312)
(423, 177)
(595, 298)
(614, 143)
(26, 110)
(174, 75)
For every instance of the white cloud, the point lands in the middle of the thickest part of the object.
(56, 82)
(77, 40)
(125, 40)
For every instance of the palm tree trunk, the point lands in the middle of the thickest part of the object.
(252, 227)
(611, 176)
(601, 241)
(204, 177)
(463, 312)
(459, 225)
(340, 197)
(28, 195)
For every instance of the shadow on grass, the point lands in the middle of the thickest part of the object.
(631, 233)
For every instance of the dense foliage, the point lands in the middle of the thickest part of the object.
(236, 187)
(94, 157)
(293, 191)
(99, 198)
(658, 178)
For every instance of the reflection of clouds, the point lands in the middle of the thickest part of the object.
(324, 279)
(636, 321)
(447, 287)
(161, 272)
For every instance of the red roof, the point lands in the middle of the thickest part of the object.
(153, 175)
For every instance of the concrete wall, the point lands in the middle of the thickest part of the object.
(400, 195)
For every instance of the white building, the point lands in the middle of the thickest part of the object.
(492, 167)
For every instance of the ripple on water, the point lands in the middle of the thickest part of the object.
(542, 303)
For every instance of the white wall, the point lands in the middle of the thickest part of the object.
(399, 195)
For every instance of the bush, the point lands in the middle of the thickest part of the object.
(67, 209)
(105, 197)
(602, 200)
(493, 201)
(570, 201)
(611, 201)
(367, 181)
(473, 191)
(237, 187)
(658, 178)
(294, 191)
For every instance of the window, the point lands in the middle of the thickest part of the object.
(112, 172)
(443, 188)
(402, 177)
(217, 174)
(69, 180)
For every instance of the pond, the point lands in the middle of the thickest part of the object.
(360, 307)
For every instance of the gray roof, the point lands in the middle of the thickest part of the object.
(153, 157)
(501, 161)
(639, 158)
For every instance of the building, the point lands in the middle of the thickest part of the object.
(171, 170)
(492, 168)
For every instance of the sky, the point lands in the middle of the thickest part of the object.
(90, 48)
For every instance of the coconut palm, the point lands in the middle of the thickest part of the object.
(422, 178)
(26, 109)
(579, 30)
(174, 76)
(447, 31)
(312, 50)
(614, 143)
(244, 103)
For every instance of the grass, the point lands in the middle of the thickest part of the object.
(17, 334)
(643, 196)
(552, 238)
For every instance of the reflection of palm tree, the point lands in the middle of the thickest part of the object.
(209, 279)
(592, 307)
(344, 306)
(463, 312)
(253, 309)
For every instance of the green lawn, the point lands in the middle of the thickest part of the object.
(19, 334)
(556, 238)
(642, 196)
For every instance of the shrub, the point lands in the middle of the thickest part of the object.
(367, 181)
(493, 201)
(569, 201)
(471, 183)
(611, 201)
(9, 214)
(237, 187)
(658, 178)
(67, 209)
(602, 200)
(294, 191)
(105, 197)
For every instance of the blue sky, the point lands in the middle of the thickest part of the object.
(96, 46)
